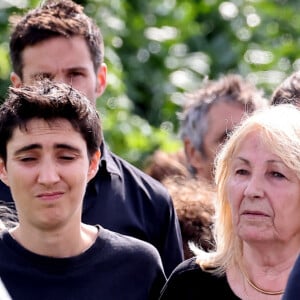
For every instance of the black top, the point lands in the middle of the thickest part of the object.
(189, 282)
(115, 267)
(292, 290)
(126, 200)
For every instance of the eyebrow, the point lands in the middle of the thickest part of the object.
(270, 161)
(240, 158)
(39, 146)
(78, 68)
(49, 74)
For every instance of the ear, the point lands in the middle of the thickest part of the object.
(15, 80)
(194, 156)
(94, 164)
(3, 172)
(101, 79)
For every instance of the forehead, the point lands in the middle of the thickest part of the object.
(223, 117)
(226, 111)
(254, 144)
(58, 124)
(56, 53)
(39, 130)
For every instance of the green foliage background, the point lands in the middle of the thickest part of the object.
(158, 49)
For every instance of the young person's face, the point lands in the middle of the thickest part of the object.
(47, 171)
(263, 193)
(65, 60)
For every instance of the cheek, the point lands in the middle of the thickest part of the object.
(234, 192)
(81, 178)
(287, 203)
(286, 218)
(80, 85)
(20, 176)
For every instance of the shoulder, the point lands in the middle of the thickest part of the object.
(3, 235)
(183, 282)
(189, 271)
(189, 281)
(8, 246)
(186, 268)
(292, 290)
(134, 177)
(124, 244)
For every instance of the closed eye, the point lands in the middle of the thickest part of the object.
(77, 73)
(27, 159)
(67, 157)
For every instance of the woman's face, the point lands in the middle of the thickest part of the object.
(264, 194)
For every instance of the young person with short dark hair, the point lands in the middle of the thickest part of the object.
(49, 151)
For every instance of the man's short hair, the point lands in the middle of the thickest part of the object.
(53, 19)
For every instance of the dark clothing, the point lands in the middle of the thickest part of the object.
(114, 267)
(124, 199)
(189, 282)
(292, 290)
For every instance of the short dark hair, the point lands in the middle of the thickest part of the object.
(54, 18)
(49, 101)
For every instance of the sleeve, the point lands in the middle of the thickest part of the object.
(172, 252)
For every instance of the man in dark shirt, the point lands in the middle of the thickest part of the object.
(60, 42)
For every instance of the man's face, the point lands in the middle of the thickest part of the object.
(222, 118)
(65, 60)
(47, 171)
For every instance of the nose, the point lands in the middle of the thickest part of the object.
(48, 173)
(254, 187)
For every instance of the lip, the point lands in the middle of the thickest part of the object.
(254, 213)
(50, 196)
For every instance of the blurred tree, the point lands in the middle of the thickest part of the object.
(158, 49)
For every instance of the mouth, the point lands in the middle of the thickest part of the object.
(254, 213)
(50, 196)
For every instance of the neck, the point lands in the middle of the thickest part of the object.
(56, 243)
(259, 289)
(274, 255)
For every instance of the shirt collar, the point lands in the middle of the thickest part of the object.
(107, 161)
(107, 167)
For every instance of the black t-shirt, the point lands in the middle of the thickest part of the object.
(126, 200)
(115, 267)
(189, 282)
